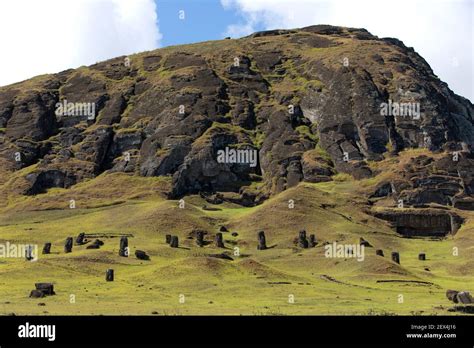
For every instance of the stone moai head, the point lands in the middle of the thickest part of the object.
(219, 240)
(174, 243)
(302, 241)
(396, 257)
(123, 247)
(109, 275)
(68, 245)
(47, 248)
(262, 242)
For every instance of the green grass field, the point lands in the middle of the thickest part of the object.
(186, 281)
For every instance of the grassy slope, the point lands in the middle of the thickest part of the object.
(120, 203)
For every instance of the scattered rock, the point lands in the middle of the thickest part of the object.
(462, 309)
(422, 256)
(46, 288)
(234, 234)
(96, 244)
(379, 252)
(42, 290)
(141, 255)
(36, 294)
(223, 229)
(205, 207)
(464, 297)
(168, 238)
(382, 190)
(365, 243)
(312, 241)
(452, 295)
(222, 256)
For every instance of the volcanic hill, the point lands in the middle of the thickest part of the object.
(310, 102)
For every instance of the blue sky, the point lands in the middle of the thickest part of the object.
(442, 31)
(204, 20)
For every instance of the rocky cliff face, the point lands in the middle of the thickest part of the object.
(312, 102)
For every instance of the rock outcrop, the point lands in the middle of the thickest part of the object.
(421, 222)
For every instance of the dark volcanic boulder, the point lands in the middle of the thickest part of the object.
(96, 244)
(141, 255)
(452, 295)
(37, 294)
(464, 297)
(222, 256)
(45, 288)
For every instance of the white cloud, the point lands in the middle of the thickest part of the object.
(440, 31)
(47, 36)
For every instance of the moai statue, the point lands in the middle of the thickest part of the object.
(200, 238)
(68, 245)
(123, 247)
(262, 243)
(302, 241)
(379, 252)
(312, 241)
(29, 253)
(219, 240)
(80, 238)
(109, 275)
(168, 238)
(422, 256)
(396, 257)
(47, 248)
(174, 242)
